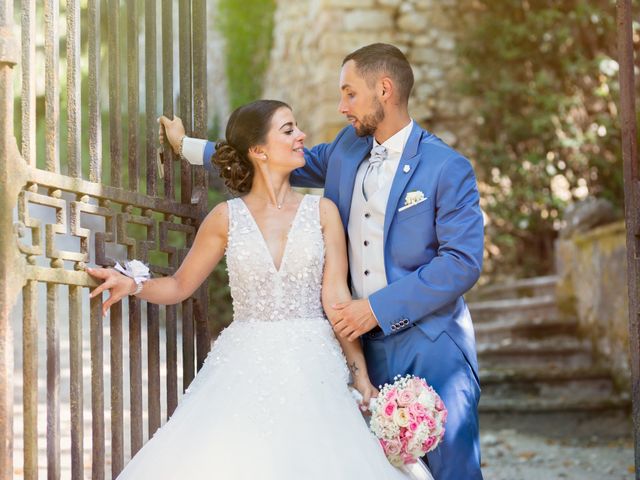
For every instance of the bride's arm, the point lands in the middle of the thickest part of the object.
(205, 253)
(335, 290)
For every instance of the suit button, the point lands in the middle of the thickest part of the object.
(367, 215)
(366, 243)
(367, 272)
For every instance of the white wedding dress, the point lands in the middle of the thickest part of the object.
(271, 401)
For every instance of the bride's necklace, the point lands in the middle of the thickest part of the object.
(284, 198)
(279, 205)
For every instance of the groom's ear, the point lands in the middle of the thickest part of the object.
(386, 88)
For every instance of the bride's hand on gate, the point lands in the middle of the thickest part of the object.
(368, 391)
(119, 286)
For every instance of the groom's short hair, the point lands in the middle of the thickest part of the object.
(382, 58)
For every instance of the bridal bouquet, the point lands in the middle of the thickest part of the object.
(408, 418)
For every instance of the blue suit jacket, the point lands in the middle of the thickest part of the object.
(433, 251)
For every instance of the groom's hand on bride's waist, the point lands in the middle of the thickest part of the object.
(353, 319)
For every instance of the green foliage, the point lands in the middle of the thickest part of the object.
(247, 27)
(545, 80)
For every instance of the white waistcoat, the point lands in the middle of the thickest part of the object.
(366, 233)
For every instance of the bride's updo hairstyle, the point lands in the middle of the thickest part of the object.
(248, 126)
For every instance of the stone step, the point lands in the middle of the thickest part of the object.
(556, 404)
(524, 287)
(562, 374)
(547, 383)
(536, 328)
(514, 309)
(554, 352)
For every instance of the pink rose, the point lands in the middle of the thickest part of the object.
(391, 394)
(428, 444)
(430, 421)
(439, 404)
(417, 409)
(390, 408)
(393, 447)
(413, 426)
(444, 414)
(405, 397)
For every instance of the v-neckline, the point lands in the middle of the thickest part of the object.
(264, 241)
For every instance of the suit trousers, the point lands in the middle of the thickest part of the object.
(441, 363)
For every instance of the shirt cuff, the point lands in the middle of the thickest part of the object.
(193, 150)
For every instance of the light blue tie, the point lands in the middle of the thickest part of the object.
(370, 182)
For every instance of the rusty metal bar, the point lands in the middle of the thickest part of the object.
(95, 122)
(135, 373)
(30, 379)
(117, 381)
(52, 85)
(200, 178)
(133, 91)
(632, 202)
(97, 390)
(171, 359)
(151, 88)
(74, 119)
(199, 74)
(167, 92)
(186, 94)
(187, 344)
(153, 365)
(115, 111)
(76, 390)
(12, 178)
(53, 383)
(29, 81)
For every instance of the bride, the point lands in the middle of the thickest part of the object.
(271, 400)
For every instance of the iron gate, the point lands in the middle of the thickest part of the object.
(141, 220)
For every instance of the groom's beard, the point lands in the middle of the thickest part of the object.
(370, 122)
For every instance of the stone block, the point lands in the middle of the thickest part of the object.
(368, 20)
(345, 3)
(390, 3)
(413, 22)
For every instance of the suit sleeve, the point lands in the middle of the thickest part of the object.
(456, 267)
(314, 172)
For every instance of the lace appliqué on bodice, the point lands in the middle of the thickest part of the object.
(259, 291)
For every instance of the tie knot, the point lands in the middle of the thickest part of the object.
(378, 154)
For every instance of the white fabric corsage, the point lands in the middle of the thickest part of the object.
(137, 270)
(412, 198)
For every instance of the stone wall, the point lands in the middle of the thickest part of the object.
(313, 36)
(593, 286)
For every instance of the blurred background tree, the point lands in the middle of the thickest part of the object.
(545, 80)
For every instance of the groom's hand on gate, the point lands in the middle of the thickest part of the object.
(353, 319)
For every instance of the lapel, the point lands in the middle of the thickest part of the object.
(411, 157)
(351, 161)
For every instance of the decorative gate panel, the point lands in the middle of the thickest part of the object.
(47, 196)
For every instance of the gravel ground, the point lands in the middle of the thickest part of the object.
(559, 450)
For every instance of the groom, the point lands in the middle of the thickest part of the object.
(409, 205)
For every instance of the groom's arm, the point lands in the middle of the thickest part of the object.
(456, 268)
(199, 152)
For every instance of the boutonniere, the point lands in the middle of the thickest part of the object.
(412, 198)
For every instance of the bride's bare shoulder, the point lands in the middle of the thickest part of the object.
(217, 220)
(328, 211)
